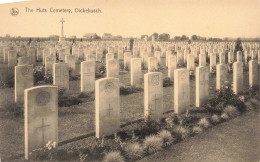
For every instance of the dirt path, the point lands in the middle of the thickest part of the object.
(237, 140)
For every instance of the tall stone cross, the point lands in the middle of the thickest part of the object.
(62, 21)
(42, 127)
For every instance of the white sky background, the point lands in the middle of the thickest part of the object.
(132, 18)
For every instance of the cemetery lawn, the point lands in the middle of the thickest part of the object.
(234, 140)
(79, 119)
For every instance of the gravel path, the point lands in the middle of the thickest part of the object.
(237, 140)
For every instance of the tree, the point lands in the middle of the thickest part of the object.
(164, 36)
(155, 35)
(184, 37)
(177, 38)
(194, 37)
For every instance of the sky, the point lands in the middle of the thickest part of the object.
(133, 18)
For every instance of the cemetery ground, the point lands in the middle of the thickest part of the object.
(77, 120)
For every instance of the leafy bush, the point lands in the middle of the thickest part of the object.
(38, 74)
(167, 82)
(113, 156)
(121, 65)
(215, 119)
(127, 68)
(249, 105)
(231, 111)
(197, 130)
(126, 90)
(101, 71)
(134, 151)
(255, 102)
(11, 108)
(223, 98)
(48, 78)
(166, 137)
(143, 66)
(181, 132)
(152, 144)
(147, 127)
(204, 123)
(224, 116)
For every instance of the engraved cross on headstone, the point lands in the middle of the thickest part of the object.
(42, 128)
(109, 109)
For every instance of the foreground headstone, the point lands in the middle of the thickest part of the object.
(253, 73)
(238, 77)
(61, 75)
(136, 71)
(107, 106)
(41, 117)
(153, 95)
(181, 90)
(87, 76)
(202, 86)
(222, 72)
(23, 80)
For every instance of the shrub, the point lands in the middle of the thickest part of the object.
(48, 78)
(121, 65)
(143, 66)
(255, 102)
(11, 108)
(215, 119)
(147, 127)
(152, 144)
(113, 156)
(127, 68)
(126, 90)
(231, 111)
(38, 74)
(166, 137)
(204, 123)
(222, 99)
(197, 130)
(134, 151)
(167, 82)
(249, 105)
(181, 132)
(224, 116)
(100, 71)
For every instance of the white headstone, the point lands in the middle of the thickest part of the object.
(202, 85)
(238, 77)
(87, 76)
(181, 90)
(61, 75)
(136, 71)
(107, 106)
(153, 95)
(23, 80)
(41, 117)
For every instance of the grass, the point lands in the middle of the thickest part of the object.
(134, 151)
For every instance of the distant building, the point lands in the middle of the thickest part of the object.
(90, 35)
